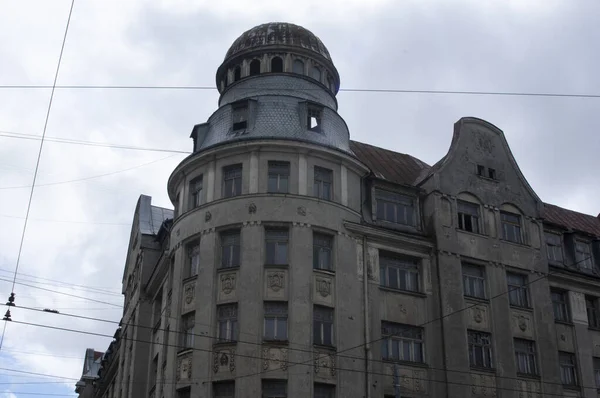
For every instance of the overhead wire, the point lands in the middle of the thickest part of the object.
(120, 224)
(71, 286)
(37, 165)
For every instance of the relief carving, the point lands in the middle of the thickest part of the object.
(224, 359)
(275, 281)
(402, 309)
(523, 323)
(252, 208)
(477, 315)
(301, 210)
(184, 368)
(325, 362)
(275, 358)
(227, 283)
(483, 385)
(323, 286)
(189, 293)
(207, 216)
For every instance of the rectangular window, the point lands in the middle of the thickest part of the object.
(402, 342)
(583, 256)
(554, 247)
(313, 120)
(279, 175)
(232, 181)
(525, 357)
(230, 249)
(480, 170)
(183, 393)
(468, 216)
(511, 227)
(491, 173)
(227, 315)
(559, 303)
(593, 311)
(394, 207)
(324, 390)
(323, 185)
(480, 349)
(276, 315)
(240, 116)
(277, 246)
(188, 323)
(518, 292)
(274, 389)
(193, 260)
(399, 273)
(322, 252)
(597, 371)
(568, 368)
(195, 192)
(473, 281)
(322, 325)
(224, 389)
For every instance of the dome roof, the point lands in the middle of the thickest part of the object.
(278, 33)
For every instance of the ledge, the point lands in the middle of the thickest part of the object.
(227, 269)
(516, 307)
(277, 265)
(477, 300)
(566, 323)
(482, 369)
(407, 292)
(407, 363)
(189, 278)
(330, 348)
(185, 351)
(522, 245)
(477, 234)
(324, 272)
(529, 376)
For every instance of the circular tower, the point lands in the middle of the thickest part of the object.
(264, 287)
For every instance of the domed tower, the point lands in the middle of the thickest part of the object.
(264, 269)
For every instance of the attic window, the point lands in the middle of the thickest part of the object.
(492, 173)
(313, 119)
(240, 116)
(480, 170)
(237, 73)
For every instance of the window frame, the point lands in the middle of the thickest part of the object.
(281, 64)
(400, 202)
(319, 181)
(231, 241)
(324, 320)
(196, 187)
(397, 337)
(228, 387)
(281, 171)
(521, 290)
(476, 226)
(278, 312)
(252, 71)
(475, 340)
(478, 280)
(515, 226)
(239, 116)
(234, 173)
(275, 384)
(326, 390)
(567, 363)
(560, 305)
(229, 321)
(322, 243)
(527, 351)
(277, 238)
(316, 112)
(581, 261)
(188, 326)
(552, 247)
(298, 62)
(596, 367)
(402, 265)
(193, 259)
(592, 311)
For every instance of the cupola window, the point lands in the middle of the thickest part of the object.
(315, 73)
(314, 117)
(298, 67)
(237, 73)
(254, 67)
(276, 65)
(240, 116)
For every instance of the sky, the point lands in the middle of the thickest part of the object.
(78, 231)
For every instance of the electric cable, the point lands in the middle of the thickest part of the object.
(103, 288)
(66, 286)
(120, 224)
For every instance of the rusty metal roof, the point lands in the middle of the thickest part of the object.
(278, 33)
(572, 219)
(391, 166)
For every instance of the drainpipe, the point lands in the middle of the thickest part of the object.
(366, 317)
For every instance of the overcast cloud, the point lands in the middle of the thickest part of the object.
(78, 232)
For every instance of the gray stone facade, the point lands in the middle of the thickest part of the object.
(299, 263)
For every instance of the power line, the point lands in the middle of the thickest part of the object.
(88, 178)
(63, 282)
(37, 374)
(37, 164)
(74, 287)
(62, 293)
(350, 90)
(10, 134)
(120, 224)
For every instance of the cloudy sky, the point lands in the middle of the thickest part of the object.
(79, 230)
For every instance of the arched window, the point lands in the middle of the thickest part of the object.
(254, 67)
(331, 83)
(276, 65)
(315, 73)
(237, 73)
(298, 67)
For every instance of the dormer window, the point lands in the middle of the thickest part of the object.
(240, 116)
(395, 207)
(511, 227)
(480, 170)
(468, 216)
(313, 119)
(583, 256)
(554, 247)
(492, 173)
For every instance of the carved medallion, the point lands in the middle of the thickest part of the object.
(207, 216)
(189, 293)
(323, 287)
(227, 283)
(252, 208)
(224, 360)
(301, 210)
(478, 315)
(523, 323)
(275, 281)
(402, 309)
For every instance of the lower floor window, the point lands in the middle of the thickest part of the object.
(224, 389)
(274, 389)
(324, 390)
(401, 342)
(568, 369)
(480, 349)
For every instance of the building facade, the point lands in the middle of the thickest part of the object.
(299, 263)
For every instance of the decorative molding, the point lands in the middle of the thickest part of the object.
(325, 362)
(189, 292)
(228, 283)
(207, 216)
(251, 223)
(301, 224)
(275, 280)
(323, 286)
(252, 208)
(301, 211)
(477, 315)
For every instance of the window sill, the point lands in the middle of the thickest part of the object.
(408, 292)
(518, 244)
(183, 351)
(528, 376)
(571, 387)
(595, 328)
(477, 299)
(483, 369)
(324, 271)
(566, 323)
(275, 342)
(286, 265)
(325, 347)
(407, 363)
(478, 234)
(189, 278)
(224, 343)
(517, 307)
(226, 269)
(494, 180)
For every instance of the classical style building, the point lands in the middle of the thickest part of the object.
(298, 263)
